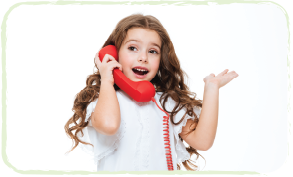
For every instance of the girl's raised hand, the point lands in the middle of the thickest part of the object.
(221, 79)
(106, 67)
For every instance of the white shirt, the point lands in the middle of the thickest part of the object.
(139, 143)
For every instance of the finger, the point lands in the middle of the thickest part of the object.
(207, 77)
(107, 58)
(115, 65)
(211, 75)
(97, 57)
(233, 74)
(97, 60)
(120, 67)
(223, 72)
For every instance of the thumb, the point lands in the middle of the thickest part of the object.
(97, 60)
(209, 76)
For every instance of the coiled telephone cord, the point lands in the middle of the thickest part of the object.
(168, 147)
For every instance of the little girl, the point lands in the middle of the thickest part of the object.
(125, 135)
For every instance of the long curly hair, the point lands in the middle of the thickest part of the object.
(169, 80)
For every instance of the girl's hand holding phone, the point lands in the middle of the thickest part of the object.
(106, 67)
(221, 79)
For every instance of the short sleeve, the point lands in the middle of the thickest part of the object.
(89, 110)
(180, 148)
(103, 144)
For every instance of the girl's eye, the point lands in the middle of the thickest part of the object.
(155, 51)
(131, 47)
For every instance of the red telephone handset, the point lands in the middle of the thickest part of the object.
(141, 91)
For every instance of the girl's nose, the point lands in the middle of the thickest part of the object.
(143, 57)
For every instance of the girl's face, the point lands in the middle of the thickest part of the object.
(140, 49)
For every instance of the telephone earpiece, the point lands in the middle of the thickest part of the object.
(141, 91)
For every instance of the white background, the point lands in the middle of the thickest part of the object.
(50, 51)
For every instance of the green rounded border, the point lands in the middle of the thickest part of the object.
(177, 3)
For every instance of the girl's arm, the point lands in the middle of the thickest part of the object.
(106, 116)
(202, 138)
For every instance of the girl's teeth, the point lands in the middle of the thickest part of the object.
(140, 69)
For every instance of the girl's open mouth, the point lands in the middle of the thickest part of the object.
(139, 74)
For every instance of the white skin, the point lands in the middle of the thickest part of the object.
(145, 51)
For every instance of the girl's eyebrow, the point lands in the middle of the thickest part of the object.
(140, 41)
